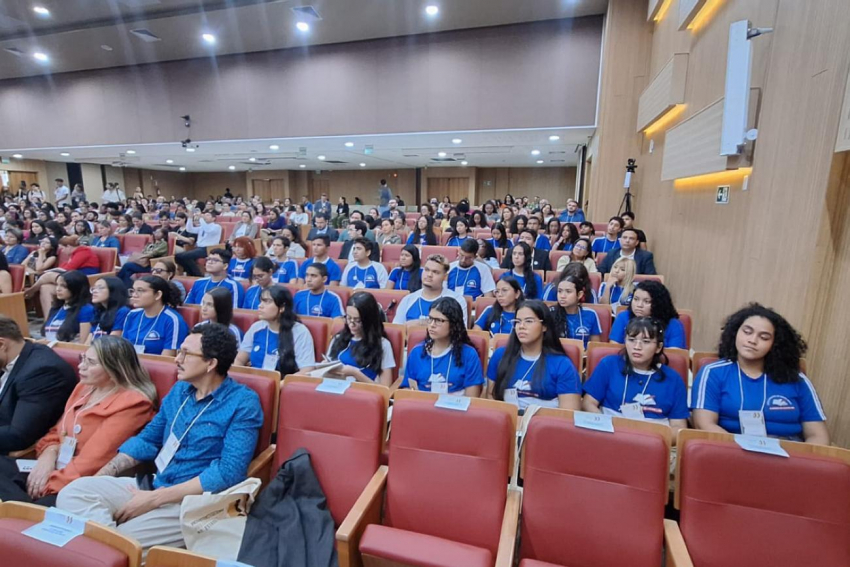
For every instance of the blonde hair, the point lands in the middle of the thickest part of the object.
(119, 359)
(629, 267)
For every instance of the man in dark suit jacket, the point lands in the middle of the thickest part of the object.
(541, 257)
(322, 227)
(644, 262)
(35, 383)
(358, 229)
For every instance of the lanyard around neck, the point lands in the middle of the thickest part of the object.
(741, 386)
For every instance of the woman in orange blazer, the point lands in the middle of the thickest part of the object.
(113, 401)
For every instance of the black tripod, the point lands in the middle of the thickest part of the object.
(626, 203)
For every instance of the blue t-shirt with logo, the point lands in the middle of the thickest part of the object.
(325, 304)
(444, 368)
(203, 285)
(559, 377)
(674, 334)
(117, 324)
(165, 331)
(84, 315)
(582, 324)
(521, 280)
(472, 281)
(334, 271)
(240, 269)
(401, 278)
(286, 271)
(504, 324)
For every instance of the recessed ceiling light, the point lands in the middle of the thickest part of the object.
(41, 11)
(535, 152)
(362, 165)
(457, 141)
(464, 162)
(303, 26)
(64, 154)
(17, 156)
(320, 158)
(540, 161)
(441, 154)
(349, 144)
(231, 167)
(169, 161)
(39, 56)
(209, 38)
(432, 10)
(106, 47)
(252, 159)
(190, 150)
(554, 138)
(182, 169)
(302, 166)
(274, 147)
(131, 152)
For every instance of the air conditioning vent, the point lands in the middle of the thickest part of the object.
(307, 12)
(444, 159)
(145, 35)
(335, 162)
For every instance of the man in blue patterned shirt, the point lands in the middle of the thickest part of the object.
(202, 440)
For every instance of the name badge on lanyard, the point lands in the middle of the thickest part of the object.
(511, 396)
(752, 423)
(632, 411)
(66, 451)
(167, 452)
(438, 383)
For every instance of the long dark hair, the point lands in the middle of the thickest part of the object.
(572, 238)
(496, 311)
(368, 352)
(651, 327)
(513, 350)
(78, 286)
(559, 314)
(171, 296)
(104, 315)
(430, 237)
(286, 343)
(460, 219)
(223, 305)
(482, 220)
(457, 330)
(527, 268)
(578, 270)
(782, 362)
(515, 222)
(415, 281)
(661, 308)
(503, 241)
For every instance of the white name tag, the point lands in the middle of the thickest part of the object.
(457, 403)
(511, 396)
(438, 384)
(66, 452)
(632, 411)
(752, 423)
(25, 465)
(140, 349)
(359, 285)
(595, 421)
(766, 445)
(227, 563)
(459, 290)
(166, 453)
(58, 528)
(331, 386)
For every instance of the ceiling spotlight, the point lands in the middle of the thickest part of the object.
(554, 138)
(131, 152)
(209, 38)
(39, 56)
(106, 47)
(321, 158)
(535, 152)
(540, 161)
(274, 147)
(432, 10)
(169, 161)
(182, 169)
(64, 154)
(464, 162)
(17, 156)
(302, 166)
(349, 144)
(457, 141)
(252, 159)
(362, 165)
(190, 150)
(41, 11)
(303, 26)
(231, 167)
(441, 154)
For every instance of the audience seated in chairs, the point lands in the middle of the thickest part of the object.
(407, 275)
(109, 298)
(362, 345)
(414, 308)
(154, 326)
(81, 258)
(140, 263)
(651, 299)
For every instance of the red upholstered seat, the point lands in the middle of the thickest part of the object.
(21, 550)
(320, 329)
(677, 359)
(604, 312)
(17, 272)
(410, 548)
(536, 563)
(335, 249)
(387, 298)
(244, 318)
(187, 282)
(267, 390)
(450, 252)
(395, 334)
(443, 484)
(163, 372)
(190, 313)
(131, 243)
(344, 451)
(108, 258)
(743, 508)
(590, 498)
(390, 252)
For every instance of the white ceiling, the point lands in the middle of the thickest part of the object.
(495, 148)
(74, 32)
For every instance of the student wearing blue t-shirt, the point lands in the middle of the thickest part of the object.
(217, 307)
(263, 278)
(320, 246)
(531, 283)
(572, 213)
(572, 321)
(500, 239)
(362, 345)
(533, 368)
(541, 241)
(154, 326)
(757, 388)
(423, 233)
(651, 299)
(408, 274)
(239, 266)
(286, 269)
(71, 313)
(610, 241)
(468, 277)
(363, 272)
(109, 299)
(499, 318)
(446, 362)
(216, 267)
(618, 288)
(635, 383)
(460, 233)
(317, 300)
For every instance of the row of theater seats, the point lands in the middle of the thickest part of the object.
(587, 497)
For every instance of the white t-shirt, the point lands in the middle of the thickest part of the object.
(414, 307)
(305, 355)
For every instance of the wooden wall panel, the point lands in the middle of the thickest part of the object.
(665, 91)
(843, 142)
(693, 146)
(688, 10)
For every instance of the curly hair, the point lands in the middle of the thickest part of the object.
(219, 343)
(457, 330)
(662, 308)
(782, 362)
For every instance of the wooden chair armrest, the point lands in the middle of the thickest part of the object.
(28, 453)
(260, 467)
(396, 385)
(675, 548)
(163, 556)
(510, 524)
(366, 510)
